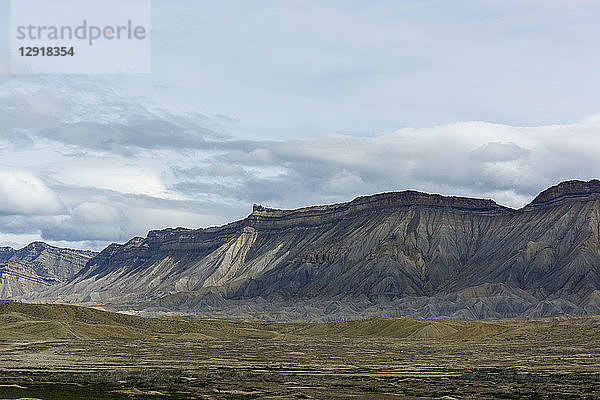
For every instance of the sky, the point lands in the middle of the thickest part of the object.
(296, 103)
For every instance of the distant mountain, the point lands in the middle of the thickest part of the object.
(405, 253)
(36, 267)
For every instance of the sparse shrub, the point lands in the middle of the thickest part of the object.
(373, 388)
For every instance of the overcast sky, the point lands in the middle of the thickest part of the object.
(296, 103)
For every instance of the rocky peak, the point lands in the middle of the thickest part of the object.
(567, 189)
(38, 245)
(35, 248)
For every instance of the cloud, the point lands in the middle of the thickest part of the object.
(85, 114)
(24, 194)
(93, 198)
(89, 221)
(254, 156)
(343, 182)
(510, 164)
(111, 175)
(497, 152)
(97, 168)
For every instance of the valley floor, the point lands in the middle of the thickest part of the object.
(371, 359)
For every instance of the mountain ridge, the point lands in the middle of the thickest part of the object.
(37, 266)
(399, 253)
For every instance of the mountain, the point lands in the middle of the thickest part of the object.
(36, 267)
(404, 253)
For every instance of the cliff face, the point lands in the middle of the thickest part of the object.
(36, 267)
(405, 253)
(318, 215)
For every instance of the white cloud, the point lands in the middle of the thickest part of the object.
(24, 194)
(343, 182)
(470, 158)
(110, 175)
(498, 151)
(593, 120)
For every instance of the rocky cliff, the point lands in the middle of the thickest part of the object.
(405, 253)
(36, 267)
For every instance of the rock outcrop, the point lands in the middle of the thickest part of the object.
(405, 253)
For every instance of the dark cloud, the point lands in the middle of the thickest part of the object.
(92, 117)
(90, 221)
